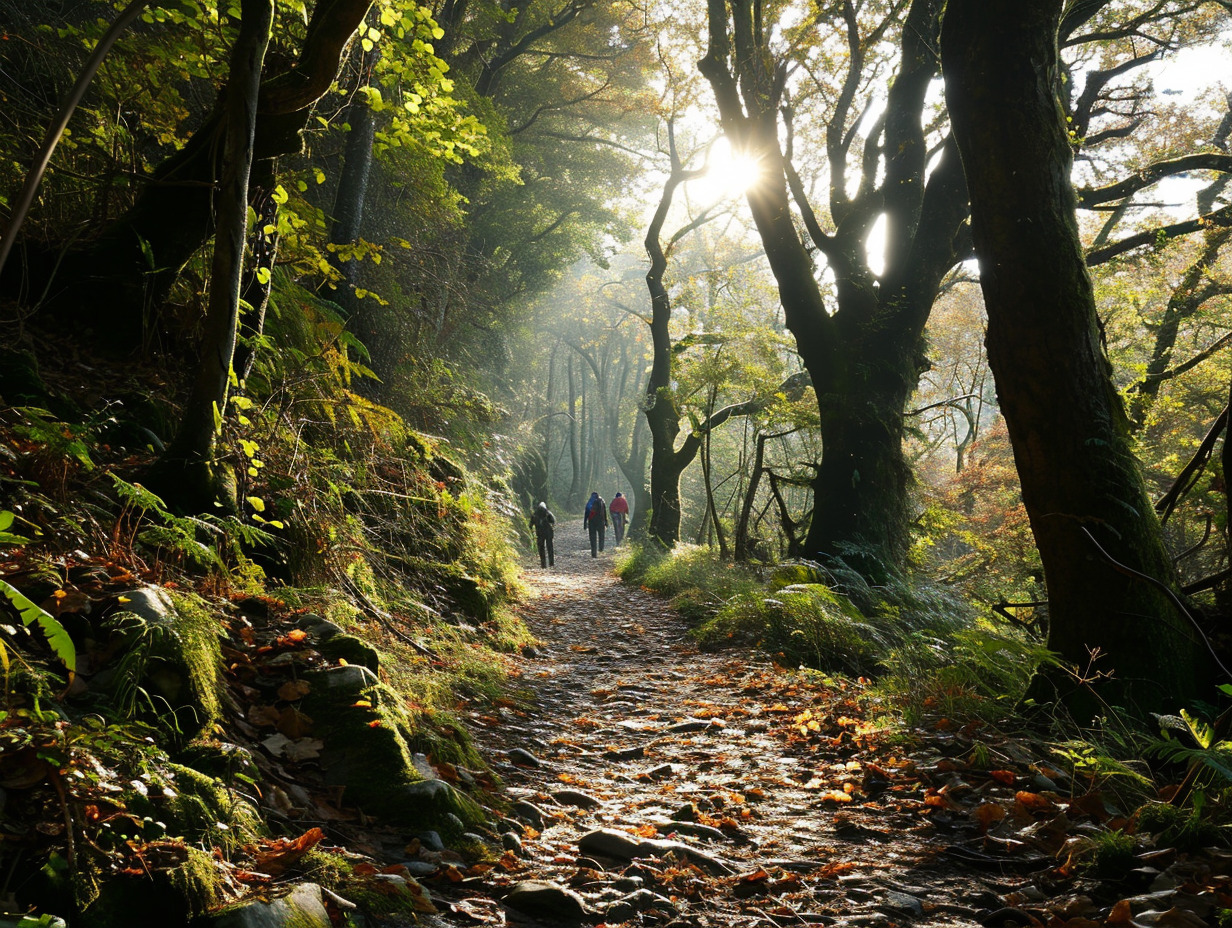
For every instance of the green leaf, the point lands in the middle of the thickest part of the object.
(31, 614)
(263, 273)
(256, 503)
(280, 195)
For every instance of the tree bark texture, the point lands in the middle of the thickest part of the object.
(191, 451)
(1067, 426)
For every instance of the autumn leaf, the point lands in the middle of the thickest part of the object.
(293, 690)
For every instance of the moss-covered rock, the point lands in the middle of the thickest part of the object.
(471, 595)
(368, 737)
(352, 650)
(206, 808)
(185, 885)
(170, 649)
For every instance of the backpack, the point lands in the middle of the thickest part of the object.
(596, 509)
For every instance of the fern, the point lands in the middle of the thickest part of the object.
(55, 633)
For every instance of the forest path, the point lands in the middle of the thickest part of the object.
(778, 804)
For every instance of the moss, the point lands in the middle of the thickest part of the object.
(352, 650)
(472, 596)
(370, 738)
(198, 881)
(202, 803)
(1178, 828)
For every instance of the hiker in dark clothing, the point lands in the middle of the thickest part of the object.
(595, 521)
(544, 523)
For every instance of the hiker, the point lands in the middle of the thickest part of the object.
(543, 521)
(620, 516)
(594, 519)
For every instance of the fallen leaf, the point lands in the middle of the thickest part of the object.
(293, 690)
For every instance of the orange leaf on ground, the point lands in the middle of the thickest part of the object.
(1003, 776)
(1034, 802)
(988, 815)
(293, 690)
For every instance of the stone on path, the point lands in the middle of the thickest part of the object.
(542, 899)
(530, 813)
(577, 798)
(617, 844)
(301, 908)
(524, 758)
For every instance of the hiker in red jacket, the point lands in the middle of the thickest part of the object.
(595, 521)
(620, 516)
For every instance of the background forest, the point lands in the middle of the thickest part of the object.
(912, 368)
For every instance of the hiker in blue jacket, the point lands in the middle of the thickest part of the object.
(594, 519)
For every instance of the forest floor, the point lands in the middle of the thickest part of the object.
(654, 784)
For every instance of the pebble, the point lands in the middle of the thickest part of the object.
(511, 842)
(524, 758)
(530, 813)
(639, 901)
(607, 843)
(577, 798)
(634, 753)
(661, 772)
(688, 726)
(903, 904)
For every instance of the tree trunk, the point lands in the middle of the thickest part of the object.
(866, 357)
(264, 247)
(575, 479)
(348, 220)
(185, 473)
(1068, 429)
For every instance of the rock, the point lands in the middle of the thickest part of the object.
(423, 767)
(430, 840)
(318, 627)
(301, 908)
(686, 813)
(524, 758)
(550, 901)
(530, 651)
(530, 813)
(902, 904)
(355, 651)
(577, 798)
(634, 753)
(705, 832)
(661, 772)
(688, 726)
(607, 843)
(418, 868)
(628, 884)
(639, 901)
(351, 678)
(511, 842)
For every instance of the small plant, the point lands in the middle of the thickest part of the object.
(1109, 855)
(1174, 827)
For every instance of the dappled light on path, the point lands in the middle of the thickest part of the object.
(664, 785)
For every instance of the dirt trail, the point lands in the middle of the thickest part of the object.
(763, 783)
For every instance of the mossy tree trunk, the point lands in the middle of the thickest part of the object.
(1067, 426)
(865, 358)
(184, 474)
